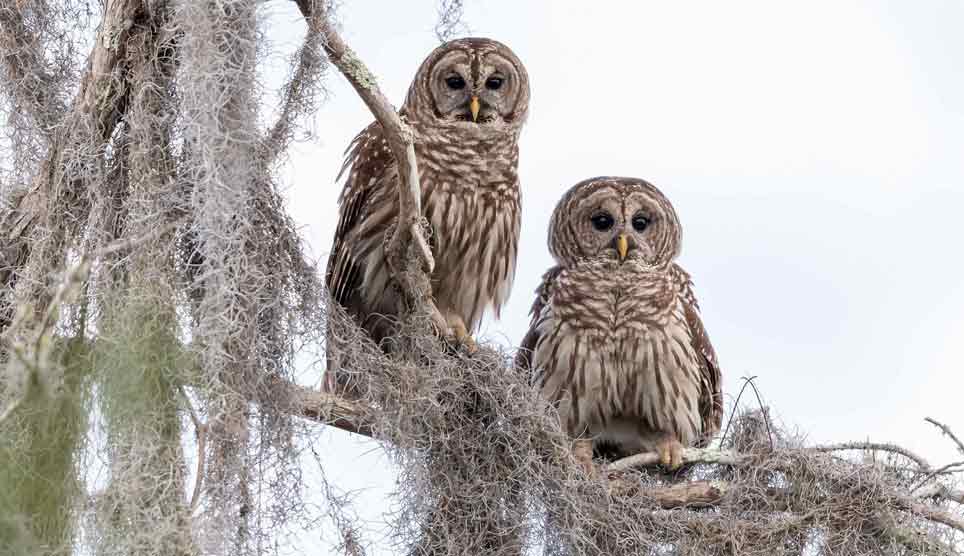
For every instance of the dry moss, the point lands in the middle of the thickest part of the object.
(40, 445)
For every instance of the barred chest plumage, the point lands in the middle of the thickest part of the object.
(471, 197)
(616, 354)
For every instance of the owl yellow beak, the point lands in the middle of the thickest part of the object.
(475, 106)
(622, 246)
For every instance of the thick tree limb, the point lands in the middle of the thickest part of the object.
(349, 416)
(323, 407)
(695, 494)
(102, 99)
(99, 105)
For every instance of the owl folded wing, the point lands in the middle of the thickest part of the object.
(711, 394)
(523, 358)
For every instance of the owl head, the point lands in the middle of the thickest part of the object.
(614, 219)
(472, 84)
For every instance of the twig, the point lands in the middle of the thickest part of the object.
(408, 229)
(296, 94)
(876, 446)
(941, 491)
(766, 416)
(338, 514)
(947, 430)
(940, 471)
(450, 13)
(736, 405)
(200, 431)
(690, 455)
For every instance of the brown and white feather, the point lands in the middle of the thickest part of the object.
(470, 194)
(619, 345)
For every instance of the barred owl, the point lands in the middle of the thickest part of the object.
(466, 107)
(616, 338)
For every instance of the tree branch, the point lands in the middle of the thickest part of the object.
(408, 229)
(877, 446)
(695, 494)
(349, 416)
(941, 491)
(933, 514)
(322, 407)
(100, 103)
(101, 98)
(690, 455)
(947, 431)
(949, 468)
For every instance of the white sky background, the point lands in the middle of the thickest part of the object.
(812, 150)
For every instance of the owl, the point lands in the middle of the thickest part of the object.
(466, 107)
(616, 340)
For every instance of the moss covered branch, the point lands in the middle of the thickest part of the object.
(407, 252)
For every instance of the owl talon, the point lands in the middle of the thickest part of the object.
(670, 453)
(582, 452)
(461, 336)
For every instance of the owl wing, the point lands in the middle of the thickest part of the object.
(367, 160)
(711, 393)
(523, 357)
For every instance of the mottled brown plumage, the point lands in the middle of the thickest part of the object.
(616, 338)
(466, 106)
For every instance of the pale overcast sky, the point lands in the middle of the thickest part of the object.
(813, 152)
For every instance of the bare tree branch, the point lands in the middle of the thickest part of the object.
(695, 494)
(949, 468)
(690, 455)
(323, 407)
(947, 431)
(941, 491)
(933, 514)
(877, 446)
(408, 229)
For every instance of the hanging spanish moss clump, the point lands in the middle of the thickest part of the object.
(148, 186)
(41, 442)
(155, 298)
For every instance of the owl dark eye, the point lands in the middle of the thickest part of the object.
(602, 221)
(455, 82)
(493, 83)
(640, 222)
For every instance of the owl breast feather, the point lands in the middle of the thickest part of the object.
(615, 353)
